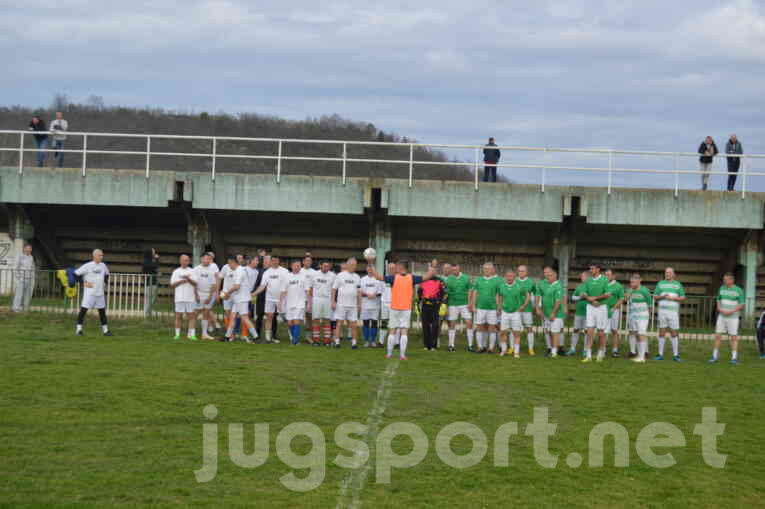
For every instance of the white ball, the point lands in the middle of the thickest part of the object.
(369, 253)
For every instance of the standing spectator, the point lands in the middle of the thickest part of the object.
(150, 268)
(41, 138)
(58, 128)
(431, 295)
(734, 163)
(708, 151)
(25, 280)
(490, 161)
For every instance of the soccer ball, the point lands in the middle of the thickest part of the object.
(369, 253)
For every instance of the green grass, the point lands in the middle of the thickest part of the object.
(98, 422)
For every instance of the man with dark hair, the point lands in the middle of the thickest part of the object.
(431, 294)
(37, 125)
(491, 156)
(734, 163)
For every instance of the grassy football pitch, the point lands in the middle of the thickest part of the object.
(97, 422)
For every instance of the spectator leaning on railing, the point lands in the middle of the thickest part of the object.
(708, 151)
(58, 128)
(41, 138)
(490, 160)
(734, 163)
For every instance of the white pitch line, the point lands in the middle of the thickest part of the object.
(356, 479)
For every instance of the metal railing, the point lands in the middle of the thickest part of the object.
(278, 156)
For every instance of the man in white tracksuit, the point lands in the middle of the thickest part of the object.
(25, 280)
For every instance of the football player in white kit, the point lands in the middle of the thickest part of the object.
(206, 276)
(321, 305)
(371, 291)
(296, 297)
(274, 282)
(346, 297)
(385, 299)
(308, 273)
(240, 293)
(226, 281)
(184, 286)
(95, 277)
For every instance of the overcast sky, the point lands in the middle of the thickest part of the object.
(658, 75)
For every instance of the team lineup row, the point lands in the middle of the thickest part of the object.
(496, 311)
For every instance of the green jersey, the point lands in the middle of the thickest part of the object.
(551, 294)
(729, 298)
(513, 296)
(581, 304)
(530, 286)
(617, 293)
(487, 290)
(596, 286)
(674, 288)
(458, 288)
(639, 303)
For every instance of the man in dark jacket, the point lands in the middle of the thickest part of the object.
(150, 268)
(707, 151)
(490, 161)
(41, 138)
(734, 163)
(431, 294)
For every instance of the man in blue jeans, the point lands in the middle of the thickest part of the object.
(490, 161)
(41, 138)
(58, 129)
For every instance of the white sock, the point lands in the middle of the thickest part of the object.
(177, 332)
(397, 338)
(492, 340)
(715, 353)
(268, 334)
(452, 336)
(633, 344)
(675, 346)
(734, 355)
(479, 339)
(588, 353)
(353, 342)
(574, 340)
(105, 328)
(383, 335)
(253, 333)
(530, 339)
(470, 337)
(517, 348)
(662, 341)
(555, 350)
(205, 325)
(192, 332)
(643, 347)
(548, 340)
(404, 342)
(503, 347)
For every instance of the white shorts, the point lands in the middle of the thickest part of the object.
(241, 308)
(93, 302)
(639, 325)
(555, 326)
(527, 317)
(370, 314)
(202, 299)
(511, 321)
(669, 319)
(295, 314)
(228, 304)
(321, 308)
(580, 322)
(185, 307)
(385, 311)
(272, 306)
(400, 319)
(457, 312)
(597, 317)
(615, 319)
(727, 325)
(486, 316)
(347, 313)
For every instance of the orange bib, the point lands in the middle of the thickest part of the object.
(402, 292)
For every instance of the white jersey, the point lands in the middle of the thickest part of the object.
(206, 278)
(322, 284)
(297, 290)
(241, 278)
(184, 292)
(276, 282)
(227, 276)
(308, 274)
(215, 266)
(347, 286)
(386, 294)
(252, 274)
(370, 287)
(95, 274)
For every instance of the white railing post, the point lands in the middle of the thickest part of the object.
(475, 169)
(610, 169)
(411, 164)
(743, 176)
(544, 170)
(21, 153)
(148, 155)
(279, 163)
(345, 162)
(677, 176)
(84, 153)
(214, 155)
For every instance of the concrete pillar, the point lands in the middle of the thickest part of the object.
(197, 234)
(748, 259)
(380, 237)
(20, 229)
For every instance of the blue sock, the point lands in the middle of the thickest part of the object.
(238, 326)
(372, 335)
(365, 333)
(296, 334)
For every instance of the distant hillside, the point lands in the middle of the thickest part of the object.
(98, 118)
